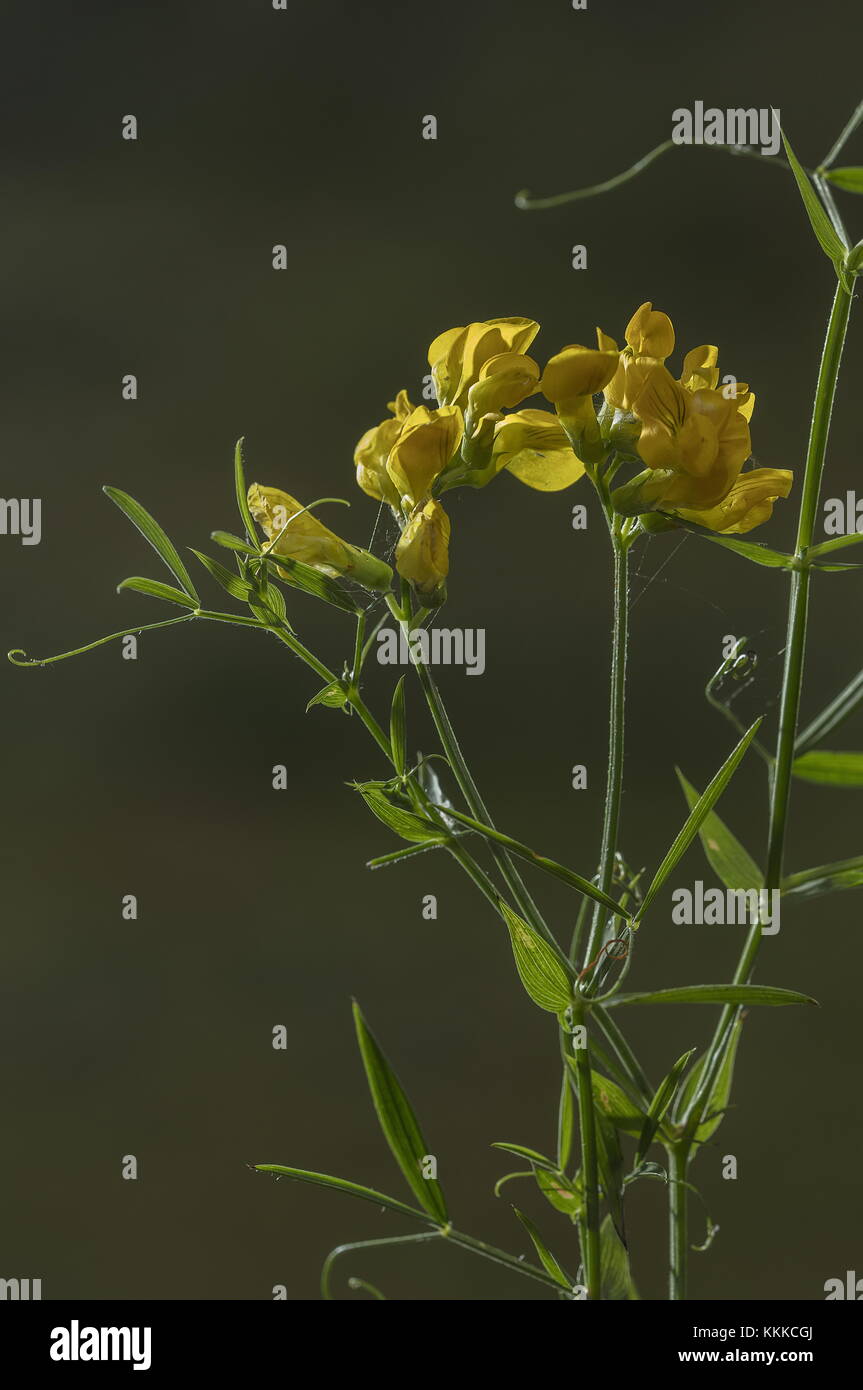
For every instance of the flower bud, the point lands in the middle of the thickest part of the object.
(422, 554)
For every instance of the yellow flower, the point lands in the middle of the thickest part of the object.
(696, 442)
(700, 369)
(457, 356)
(422, 554)
(576, 372)
(427, 442)
(533, 445)
(748, 504)
(649, 340)
(570, 380)
(372, 452)
(505, 380)
(650, 333)
(300, 536)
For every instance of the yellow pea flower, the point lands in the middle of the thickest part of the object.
(505, 380)
(422, 554)
(457, 356)
(747, 505)
(700, 369)
(649, 339)
(298, 535)
(570, 380)
(533, 445)
(372, 452)
(698, 433)
(650, 333)
(427, 442)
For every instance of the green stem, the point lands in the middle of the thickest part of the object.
(798, 608)
(356, 701)
(500, 1257)
(624, 1053)
(677, 1219)
(468, 787)
(589, 1224)
(617, 700)
(792, 680)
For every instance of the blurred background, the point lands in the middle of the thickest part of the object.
(153, 777)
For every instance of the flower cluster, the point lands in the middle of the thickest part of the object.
(691, 437)
(417, 454)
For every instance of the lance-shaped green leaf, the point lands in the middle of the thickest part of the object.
(615, 1104)
(837, 543)
(230, 542)
(275, 601)
(830, 769)
(384, 860)
(548, 1261)
(397, 727)
(850, 178)
(714, 1105)
(565, 1121)
(310, 581)
(152, 532)
(540, 970)
(155, 589)
(353, 1189)
(725, 854)
(405, 823)
(532, 1155)
(716, 994)
(758, 554)
(697, 816)
(832, 715)
(333, 696)
(609, 1157)
(242, 491)
(665, 1093)
(398, 1122)
(569, 876)
(561, 1192)
(230, 582)
(826, 878)
(616, 1280)
(826, 234)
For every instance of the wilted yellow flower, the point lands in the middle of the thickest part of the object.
(372, 452)
(457, 356)
(748, 504)
(422, 554)
(300, 536)
(427, 441)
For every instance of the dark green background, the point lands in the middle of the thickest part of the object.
(154, 777)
